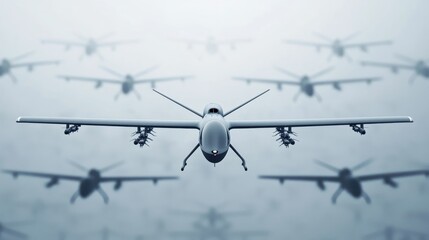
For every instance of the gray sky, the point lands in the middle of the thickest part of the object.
(295, 210)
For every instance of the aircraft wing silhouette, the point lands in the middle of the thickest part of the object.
(345, 81)
(237, 124)
(313, 44)
(283, 178)
(116, 43)
(113, 122)
(13, 232)
(162, 79)
(387, 65)
(89, 79)
(66, 43)
(128, 179)
(367, 44)
(44, 175)
(388, 176)
(271, 81)
(30, 65)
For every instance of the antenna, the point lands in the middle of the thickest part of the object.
(236, 108)
(183, 106)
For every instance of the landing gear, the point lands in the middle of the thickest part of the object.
(185, 162)
(243, 162)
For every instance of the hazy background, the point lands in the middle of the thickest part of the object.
(293, 211)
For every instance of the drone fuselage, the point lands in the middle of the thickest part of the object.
(128, 84)
(5, 67)
(214, 134)
(89, 184)
(338, 49)
(91, 47)
(350, 183)
(306, 86)
(422, 69)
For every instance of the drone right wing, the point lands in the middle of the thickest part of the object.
(282, 178)
(394, 67)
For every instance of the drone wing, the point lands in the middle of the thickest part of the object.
(116, 43)
(337, 82)
(233, 124)
(89, 79)
(364, 46)
(389, 176)
(161, 79)
(43, 175)
(392, 66)
(269, 81)
(154, 179)
(312, 44)
(30, 65)
(112, 122)
(282, 178)
(64, 43)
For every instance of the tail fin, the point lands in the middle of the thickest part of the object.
(236, 108)
(183, 106)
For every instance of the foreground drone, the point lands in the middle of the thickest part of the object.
(126, 81)
(90, 183)
(347, 181)
(215, 138)
(7, 65)
(305, 83)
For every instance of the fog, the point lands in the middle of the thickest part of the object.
(295, 210)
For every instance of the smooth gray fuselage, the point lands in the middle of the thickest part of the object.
(350, 183)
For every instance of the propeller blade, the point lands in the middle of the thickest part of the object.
(78, 166)
(113, 72)
(412, 78)
(290, 74)
(22, 56)
(145, 71)
(366, 197)
(319, 98)
(117, 95)
(74, 197)
(295, 98)
(321, 73)
(350, 37)
(328, 166)
(110, 167)
(361, 165)
(337, 194)
(105, 36)
(323, 37)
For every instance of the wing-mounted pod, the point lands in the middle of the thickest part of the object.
(389, 181)
(71, 129)
(359, 129)
(284, 136)
(54, 181)
(143, 136)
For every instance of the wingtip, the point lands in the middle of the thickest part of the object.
(18, 119)
(410, 119)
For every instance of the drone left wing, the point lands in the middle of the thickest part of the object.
(234, 124)
(388, 176)
(111, 122)
(44, 175)
(116, 43)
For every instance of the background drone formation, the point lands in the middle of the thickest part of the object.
(193, 38)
